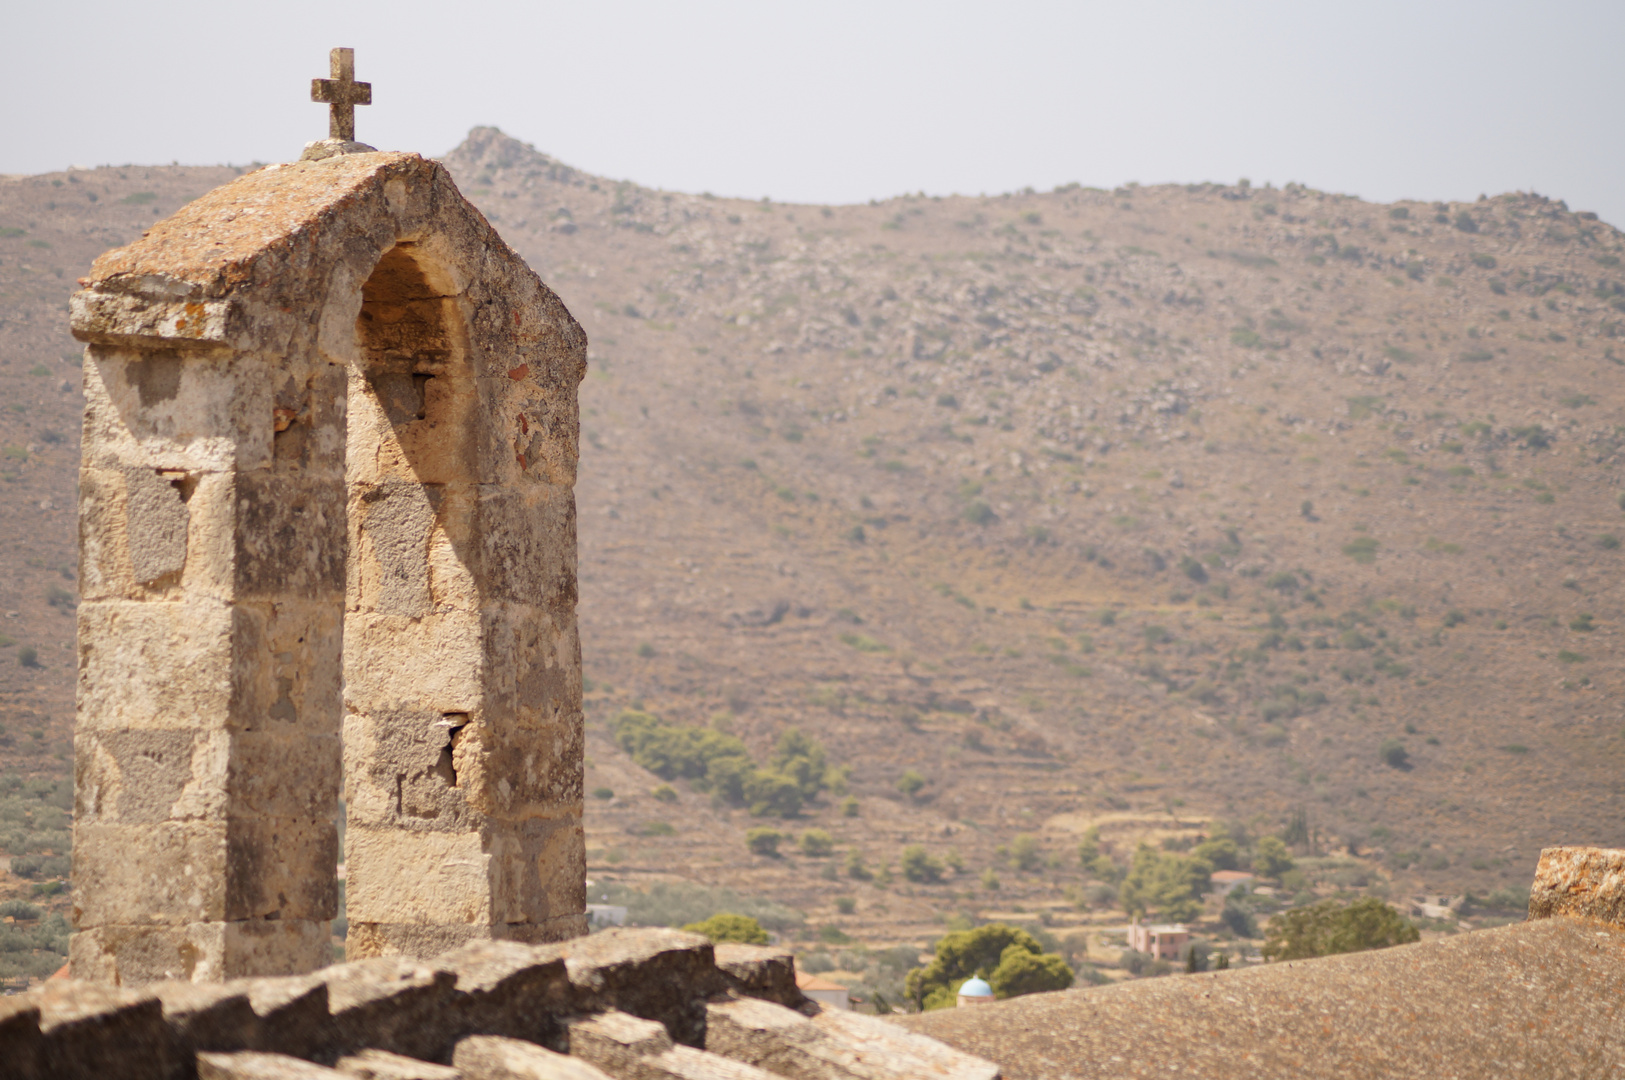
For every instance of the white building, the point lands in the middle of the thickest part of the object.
(823, 991)
(974, 992)
(1162, 942)
(600, 916)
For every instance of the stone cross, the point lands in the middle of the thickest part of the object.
(341, 94)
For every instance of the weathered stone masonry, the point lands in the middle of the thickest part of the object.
(327, 536)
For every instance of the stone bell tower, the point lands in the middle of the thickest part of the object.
(327, 539)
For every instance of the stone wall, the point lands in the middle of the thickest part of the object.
(628, 1004)
(327, 532)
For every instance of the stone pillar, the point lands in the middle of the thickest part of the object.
(462, 667)
(327, 486)
(207, 758)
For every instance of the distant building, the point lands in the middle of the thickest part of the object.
(601, 915)
(823, 991)
(1226, 882)
(974, 992)
(1162, 942)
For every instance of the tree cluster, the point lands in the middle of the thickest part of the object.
(1165, 882)
(1010, 959)
(714, 761)
(1330, 927)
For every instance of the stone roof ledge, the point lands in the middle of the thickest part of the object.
(248, 265)
(1583, 882)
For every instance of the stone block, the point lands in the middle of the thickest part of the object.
(687, 1063)
(526, 551)
(507, 875)
(287, 668)
(209, 1016)
(137, 955)
(662, 975)
(157, 520)
(162, 873)
(283, 946)
(514, 772)
(281, 869)
(286, 1014)
(407, 876)
(103, 1032)
(163, 410)
(393, 1004)
(402, 769)
(291, 776)
(145, 322)
(1580, 881)
(144, 532)
(395, 662)
(507, 988)
(615, 1041)
(154, 665)
(533, 658)
(382, 1065)
(494, 1057)
(258, 1065)
(760, 972)
(22, 1047)
(833, 1045)
(419, 940)
(437, 446)
(143, 776)
(633, 1049)
(198, 951)
(773, 1038)
(883, 1049)
(390, 526)
(293, 1012)
(529, 437)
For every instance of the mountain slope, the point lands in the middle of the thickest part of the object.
(1142, 508)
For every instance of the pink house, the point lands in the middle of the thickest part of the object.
(1162, 942)
(1225, 881)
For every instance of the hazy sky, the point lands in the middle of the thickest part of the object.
(841, 102)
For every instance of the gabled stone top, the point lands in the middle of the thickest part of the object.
(254, 264)
(213, 245)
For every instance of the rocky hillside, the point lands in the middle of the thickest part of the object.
(1139, 508)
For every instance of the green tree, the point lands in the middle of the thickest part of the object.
(855, 868)
(919, 867)
(1270, 857)
(724, 927)
(962, 955)
(764, 841)
(1328, 927)
(1089, 847)
(801, 758)
(772, 793)
(1165, 882)
(1104, 869)
(910, 783)
(1218, 849)
(1021, 972)
(1025, 855)
(817, 843)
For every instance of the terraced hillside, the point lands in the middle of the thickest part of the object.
(1137, 508)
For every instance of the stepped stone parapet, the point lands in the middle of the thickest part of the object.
(624, 1004)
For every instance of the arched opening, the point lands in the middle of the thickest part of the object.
(412, 620)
